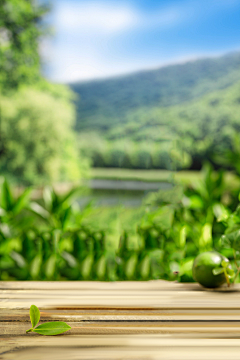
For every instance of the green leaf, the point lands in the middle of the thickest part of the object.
(195, 202)
(206, 236)
(232, 239)
(2, 212)
(7, 198)
(39, 210)
(221, 213)
(70, 259)
(34, 315)
(186, 267)
(182, 236)
(50, 266)
(48, 197)
(71, 195)
(66, 216)
(19, 259)
(22, 201)
(217, 271)
(225, 242)
(52, 328)
(224, 264)
(36, 265)
(230, 272)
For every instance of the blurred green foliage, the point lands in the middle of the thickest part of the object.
(21, 28)
(52, 238)
(38, 144)
(37, 141)
(130, 154)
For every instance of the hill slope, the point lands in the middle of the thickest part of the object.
(179, 136)
(104, 104)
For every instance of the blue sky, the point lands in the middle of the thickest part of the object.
(98, 38)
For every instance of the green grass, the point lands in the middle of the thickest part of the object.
(185, 177)
(143, 175)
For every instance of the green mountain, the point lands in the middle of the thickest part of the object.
(174, 137)
(103, 104)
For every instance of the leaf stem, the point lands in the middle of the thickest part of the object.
(235, 259)
(226, 276)
(29, 330)
(238, 267)
(235, 278)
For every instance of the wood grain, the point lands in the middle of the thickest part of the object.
(122, 320)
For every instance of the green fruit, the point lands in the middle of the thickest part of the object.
(203, 269)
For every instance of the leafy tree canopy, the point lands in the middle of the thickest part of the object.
(37, 142)
(21, 27)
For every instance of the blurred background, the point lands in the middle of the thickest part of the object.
(119, 121)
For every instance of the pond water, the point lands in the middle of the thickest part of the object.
(119, 192)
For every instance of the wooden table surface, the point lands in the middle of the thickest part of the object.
(121, 320)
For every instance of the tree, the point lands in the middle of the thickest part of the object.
(21, 28)
(37, 141)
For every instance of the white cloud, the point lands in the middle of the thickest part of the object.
(90, 33)
(94, 17)
(86, 33)
(106, 18)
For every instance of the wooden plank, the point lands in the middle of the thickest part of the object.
(134, 347)
(136, 299)
(212, 329)
(96, 285)
(123, 315)
(100, 285)
(124, 320)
